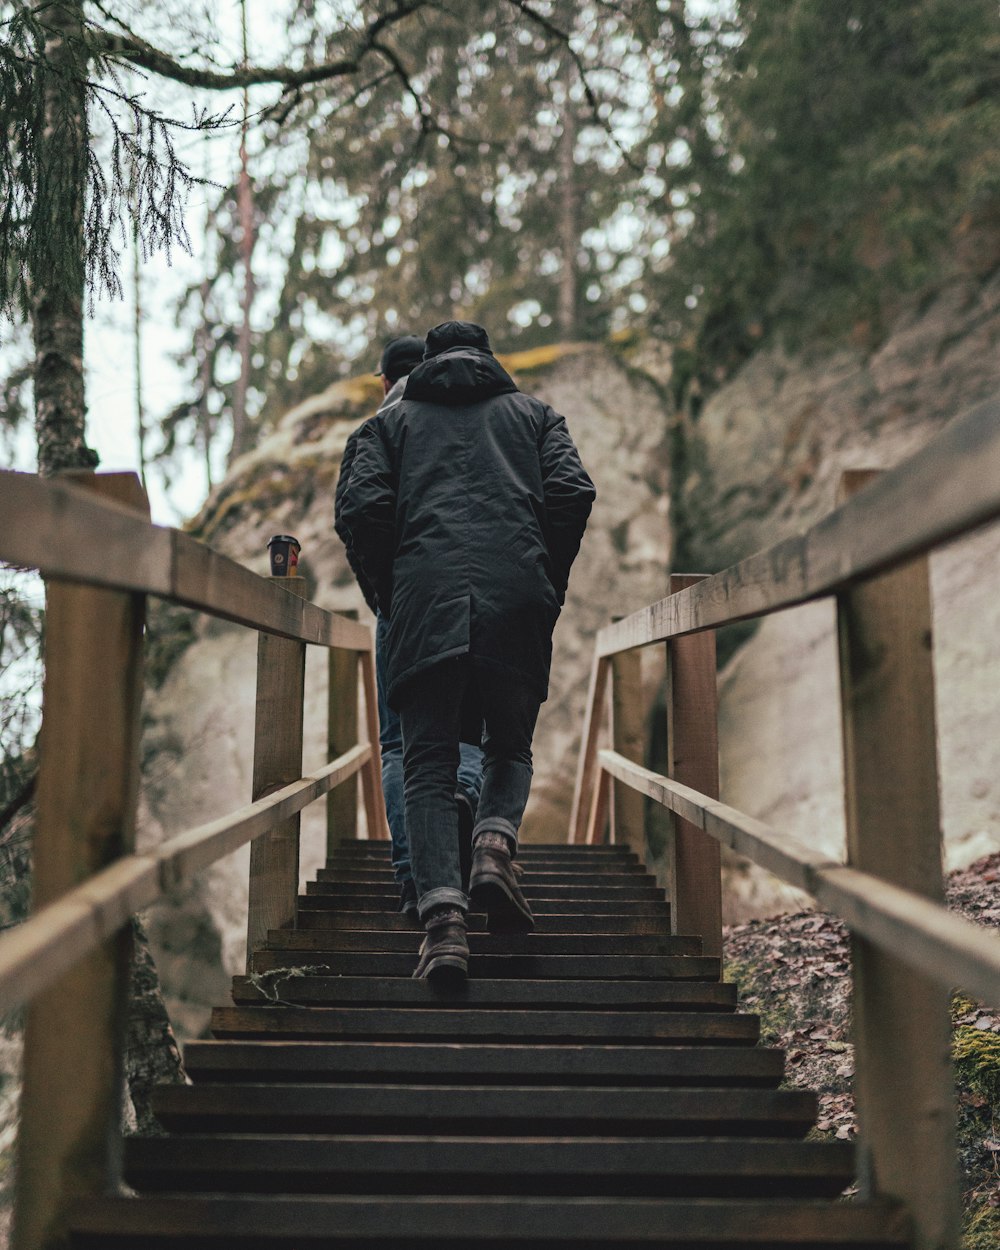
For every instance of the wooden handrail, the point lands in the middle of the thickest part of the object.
(948, 489)
(946, 947)
(70, 535)
(37, 952)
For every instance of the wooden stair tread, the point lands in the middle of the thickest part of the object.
(622, 995)
(386, 904)
(526, 967)
(604, 944)
(669, 1027)
(316, 912)
(582, 892)
(493, 1222)
(412, 1163)
(532, 876)
(435, 1063)
(468, 1108)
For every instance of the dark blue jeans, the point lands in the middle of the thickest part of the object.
(430, 712)
(470, 764)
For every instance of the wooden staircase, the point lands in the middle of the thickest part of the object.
(593, 1087)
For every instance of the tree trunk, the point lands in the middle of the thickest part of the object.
(244, 201)
(568, 228)
(57, 307)
(569, 214)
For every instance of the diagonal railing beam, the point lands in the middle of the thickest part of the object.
(68, 535)
(947, 489)
(924, 934)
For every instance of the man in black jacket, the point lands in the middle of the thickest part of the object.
(466, 505)
(399, 356)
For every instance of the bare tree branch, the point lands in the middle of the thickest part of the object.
(137, 52)
(563, 36)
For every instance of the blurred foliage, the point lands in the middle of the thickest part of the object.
(742, 170)
(859, 146)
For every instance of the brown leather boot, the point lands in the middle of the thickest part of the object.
(493, 887)
(444, 952)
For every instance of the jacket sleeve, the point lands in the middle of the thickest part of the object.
(569, 497)
(343, 533)
(368, 511)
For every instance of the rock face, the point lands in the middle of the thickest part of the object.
(765, 457)
(199, 723)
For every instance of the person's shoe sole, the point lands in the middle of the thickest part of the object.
(446, 971)
(504, 913)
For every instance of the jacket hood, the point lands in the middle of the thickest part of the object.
(461, 375)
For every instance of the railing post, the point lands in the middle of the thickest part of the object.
(693, 757)
(342, 734)
(277, 761)
(371, 773)
(71, 1105)
(902, 1029)
(629, 739)
(587, 770)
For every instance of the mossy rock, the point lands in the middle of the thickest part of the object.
(982, 1229)
(977, 1061)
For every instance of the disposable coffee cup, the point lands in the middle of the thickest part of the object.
(284, 552)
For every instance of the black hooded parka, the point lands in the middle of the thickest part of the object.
(466, 505)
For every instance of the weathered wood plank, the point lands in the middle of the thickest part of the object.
(277, 761)
(53, 525)
(901, 1023)
(371, 774)
(210, 582)
(189, 852)
(87, 788)
(587, 771)
(693, 750)
(341, 735)
(539, 1223)
(926, 935)
(949, 488)
(628, 735)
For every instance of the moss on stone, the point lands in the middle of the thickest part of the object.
(536, 358)
(756, 991)
(982, 1229)
(977, 1061)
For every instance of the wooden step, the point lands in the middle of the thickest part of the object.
(531, 876)
(381, 850)
(428, 1063)
(527, 967)
(387, 902)
(475, 1109)
(316, 913)
(498, 1025)
(256, 1222)
(530, 889)
(375, 991)
(609, 946)
(449, 1165)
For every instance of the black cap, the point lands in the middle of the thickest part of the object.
(456, 334)
(400, 356)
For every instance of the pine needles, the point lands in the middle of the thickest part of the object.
(68, 204)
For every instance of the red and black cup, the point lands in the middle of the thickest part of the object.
(284, 552)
